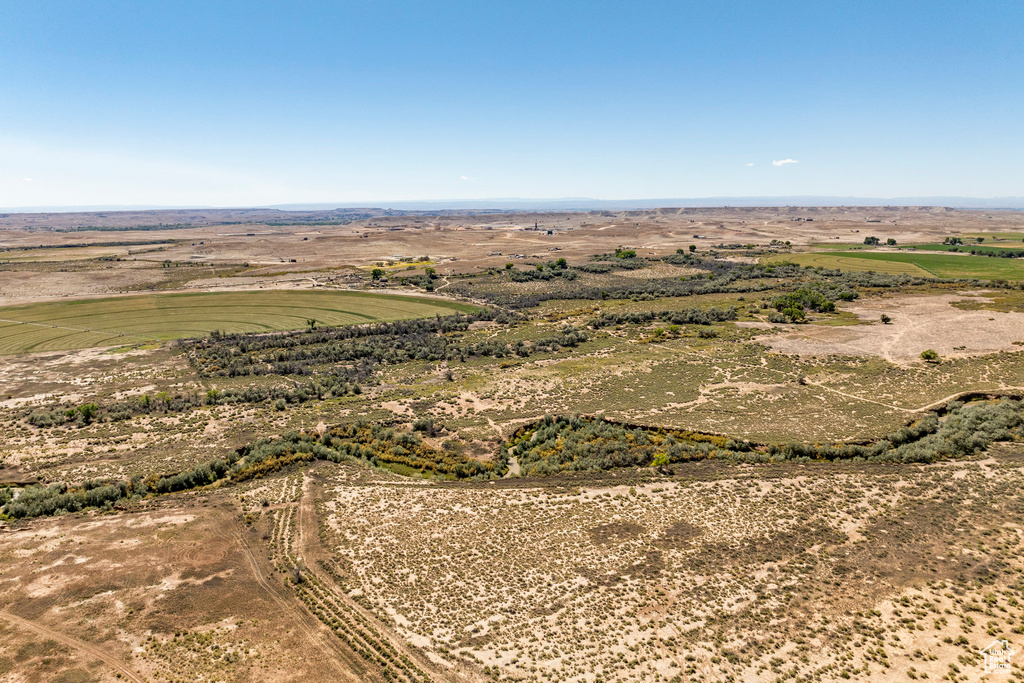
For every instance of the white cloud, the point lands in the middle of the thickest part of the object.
(464, 177)
(750, 164)
(27, 180)
(783, 162)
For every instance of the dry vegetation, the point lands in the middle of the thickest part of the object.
(391, 535)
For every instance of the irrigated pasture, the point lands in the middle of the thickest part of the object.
(924, 265)
(850, 261)
(971, 248)
(136, 319)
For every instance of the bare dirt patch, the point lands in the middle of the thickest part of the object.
(918, 323)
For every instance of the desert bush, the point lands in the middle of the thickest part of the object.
(573, 443)
(36, 501)
(686, 316)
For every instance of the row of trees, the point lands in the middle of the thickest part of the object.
(685, 316)
(716, 276)
(374, 443)
(573, 443)
(552, 445)
(355, 351)
(341, 381)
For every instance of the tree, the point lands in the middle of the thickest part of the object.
(930, 356)
(508, 266)
(693, 248)
(794, 314)
(88, 411)
(661, 462)
(872, 241)
(376, 273)
(980, 240)
(891, 242)
(430, 273)
(311, 324)
(562, 263)
(885, 319)
(953, 241)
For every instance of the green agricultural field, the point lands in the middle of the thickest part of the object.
(849, 261)
(159, 317)
(968, 248)
(913, 263)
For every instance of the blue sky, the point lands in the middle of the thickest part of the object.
(249, 103)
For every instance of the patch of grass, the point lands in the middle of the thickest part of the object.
(1004, 301)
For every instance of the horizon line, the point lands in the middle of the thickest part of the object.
(565, 203)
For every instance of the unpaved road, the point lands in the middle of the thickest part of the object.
(308, 549)
(97, 652)
(314, 631)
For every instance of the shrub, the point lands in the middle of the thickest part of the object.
(572, 443)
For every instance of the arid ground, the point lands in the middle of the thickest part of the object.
(758, 477)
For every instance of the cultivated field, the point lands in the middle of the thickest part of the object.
(599, 455)
(80, 324)
(916, 263)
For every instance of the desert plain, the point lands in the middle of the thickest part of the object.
(376, 445)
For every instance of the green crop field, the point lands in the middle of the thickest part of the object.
(913, 263)
(968, 248)
(158, 317)
(849, 261)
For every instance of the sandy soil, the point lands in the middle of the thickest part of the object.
(455, 243)
(918, 323)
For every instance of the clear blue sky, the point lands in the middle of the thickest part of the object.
(245, 103)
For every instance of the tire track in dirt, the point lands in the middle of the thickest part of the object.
(97, 652)
(307, 518)
(313, 632)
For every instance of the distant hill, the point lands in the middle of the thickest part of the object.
(566, 204)
(587, 204)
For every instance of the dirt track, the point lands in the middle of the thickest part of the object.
(310, 553)
(97, 652)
